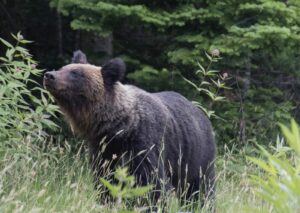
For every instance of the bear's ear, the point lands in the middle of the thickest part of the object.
(113, 71)
(79, 57)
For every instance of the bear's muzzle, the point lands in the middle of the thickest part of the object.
(49, 79)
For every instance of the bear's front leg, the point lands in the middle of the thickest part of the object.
(149, 170)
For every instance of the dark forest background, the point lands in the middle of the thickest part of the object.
(162, 42)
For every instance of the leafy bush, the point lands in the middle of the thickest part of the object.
(210, 84)
(124, 190)
(25, 109)
(279, 186)
(36, 177)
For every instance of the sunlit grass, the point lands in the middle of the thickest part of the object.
(49, 179)
(53, 178)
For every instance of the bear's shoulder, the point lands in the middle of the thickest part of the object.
(174, 100)
(182, 108)
(170, 95)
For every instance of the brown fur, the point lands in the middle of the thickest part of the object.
(97, 105)
(81, 120)
(84, 120)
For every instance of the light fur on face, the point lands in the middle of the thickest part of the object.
(103, 106)
(93, 77)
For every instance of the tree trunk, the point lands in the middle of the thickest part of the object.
(59, 35)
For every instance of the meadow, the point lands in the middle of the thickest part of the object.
(56, 179)
(44, 168)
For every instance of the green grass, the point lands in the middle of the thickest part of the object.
(45, 179)
(234, 191)
(53, 178)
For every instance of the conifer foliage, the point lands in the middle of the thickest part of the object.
(162, 40)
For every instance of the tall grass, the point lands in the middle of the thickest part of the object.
(53, 178)
(45, 179)
(35, 174)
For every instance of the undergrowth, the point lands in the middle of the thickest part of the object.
(42, 173)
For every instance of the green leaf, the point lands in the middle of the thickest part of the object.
(6, 43)
(113, 189)
(208, 56)
(9, 54)
(138, 191)
(201, 67)
(45, 102)
(262, 164)
(292, 136)
(191, 83)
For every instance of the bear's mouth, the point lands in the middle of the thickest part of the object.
(52, 88)
(48, 85)
(49, 81)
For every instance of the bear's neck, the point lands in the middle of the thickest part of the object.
(107, 118)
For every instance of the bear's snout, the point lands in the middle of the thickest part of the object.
(49, 78)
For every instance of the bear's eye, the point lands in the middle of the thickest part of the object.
(76, 74)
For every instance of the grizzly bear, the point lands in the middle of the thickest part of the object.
(162, 137)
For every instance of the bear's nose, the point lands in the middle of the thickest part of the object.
(49, 76)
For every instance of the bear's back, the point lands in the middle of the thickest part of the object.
(189, 129)
(183, 108)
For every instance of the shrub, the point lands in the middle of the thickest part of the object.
(211, 84)
(125, 190)
(279, 186)
(25, 108)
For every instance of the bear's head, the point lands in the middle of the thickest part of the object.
(80, 82)
(80, 87)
